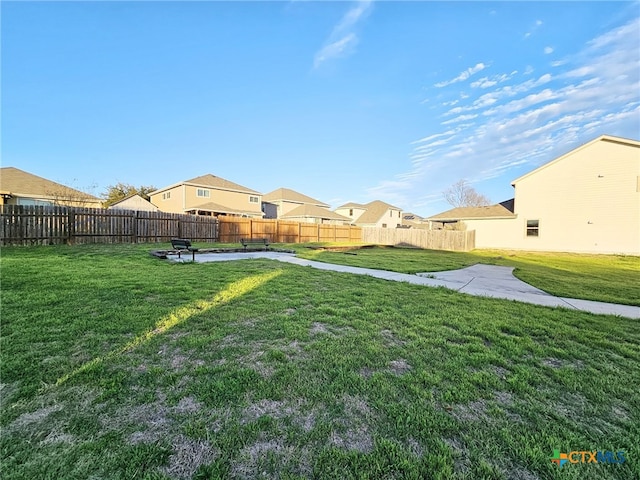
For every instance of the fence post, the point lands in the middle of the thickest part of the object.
(71, 226)
(134, 227)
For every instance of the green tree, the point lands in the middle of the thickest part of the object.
(120, 190)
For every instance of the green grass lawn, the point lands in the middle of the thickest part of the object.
(115, 364)
(605, 278)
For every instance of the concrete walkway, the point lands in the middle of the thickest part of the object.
(479, 280)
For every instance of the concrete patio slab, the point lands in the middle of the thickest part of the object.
(478, 280)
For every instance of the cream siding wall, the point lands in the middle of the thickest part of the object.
(497, 233)
(588, 201)
(173, 204)
(235, 200)
(134, 203)
(285, 207)
(345, 212)
(391, 218)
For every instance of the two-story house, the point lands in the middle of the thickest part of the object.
(208, 195)
(373, 214)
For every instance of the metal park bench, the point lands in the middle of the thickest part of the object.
(181, 245)
(255, 241)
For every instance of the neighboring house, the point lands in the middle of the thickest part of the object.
(585, 201)
(411, 220)
(373, 214)
(208, 195)
(283, 200)
(457, 218)
(314, 214)
(18, 187)
(134, 202)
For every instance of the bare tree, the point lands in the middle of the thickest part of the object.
(461, 194)
(62, 195)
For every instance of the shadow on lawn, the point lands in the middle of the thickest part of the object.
(178, 316)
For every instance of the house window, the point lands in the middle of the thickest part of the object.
(351, 212)
(203, 192)
(533, 227)
(166, 195)
(390, 213)
(398, 214)
(384, 225)
(253, 199)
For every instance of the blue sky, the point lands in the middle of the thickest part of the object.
(342, 101)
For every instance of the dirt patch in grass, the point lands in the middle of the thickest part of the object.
(353, 431)
(272, 408)
(518, 472)
(620, 413)
(571, 405)
(188, 454)
(399, 367)
(317, 328)
(503, 398)
(500, 372)
(187, 405)
(367, 372)
(34, 418)
(461, 460)
(8, 390)
(255, 461)
(279, 410)
(390, 339)
(57, 436)
(471, 412)
(415, 447)
(553, 362)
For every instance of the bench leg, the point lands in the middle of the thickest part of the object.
(193, 253)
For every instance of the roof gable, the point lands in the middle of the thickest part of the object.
(210, 181)
(352, 205)
(500, 210)
(288, 195)
(601, 138)
(18, 182)
(313, 211)
(374, 212)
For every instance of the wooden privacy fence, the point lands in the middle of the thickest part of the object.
(459, 241)
(279, 231)
(38, 225)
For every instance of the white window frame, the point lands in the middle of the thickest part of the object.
(534, 227)
(166, 195)
(252, 197)
(203, 192)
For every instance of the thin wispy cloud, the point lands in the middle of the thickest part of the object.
(463, 75)
(513, 122)
(343, 39)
